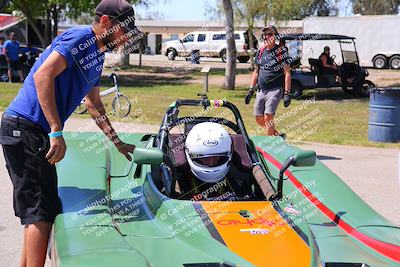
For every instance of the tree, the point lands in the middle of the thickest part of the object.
(53, 10)
(32, 9)
(3, 4)
(248, 10)
(376, 7)
(294, 9)
(229, 82)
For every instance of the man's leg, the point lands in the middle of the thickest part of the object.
(30, 172)
(22, 262)
(267, 122)
(10, 75)
(37, 237)
(21, 75)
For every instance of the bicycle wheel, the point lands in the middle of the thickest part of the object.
(81, 109)
(121, 106)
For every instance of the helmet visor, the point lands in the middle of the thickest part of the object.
(211, 160)
(214, 161)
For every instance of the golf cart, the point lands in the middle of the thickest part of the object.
(352, 75)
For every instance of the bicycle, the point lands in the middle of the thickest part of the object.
(121, 105)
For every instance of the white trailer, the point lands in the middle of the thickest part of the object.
(377, 37)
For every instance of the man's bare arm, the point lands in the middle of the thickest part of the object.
(254, 77)
(6, 55)
(44, 79)
(98, 113)
(288, 78)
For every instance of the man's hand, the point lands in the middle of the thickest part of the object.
(248, 96)
(287, 99)
(57, 150)
(125, 149)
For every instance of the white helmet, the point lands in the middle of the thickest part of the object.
(209, 151)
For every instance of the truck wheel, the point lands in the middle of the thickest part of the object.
(297, 89)
(244, 59)
(171, 54)
(380, 62)
(223, 55)
(394, 62)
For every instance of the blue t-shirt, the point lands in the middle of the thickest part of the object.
(84, 66)
(12, 49)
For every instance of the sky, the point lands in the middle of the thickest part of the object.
(179, 9)
(195, 9)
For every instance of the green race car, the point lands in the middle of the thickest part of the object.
(284, 208)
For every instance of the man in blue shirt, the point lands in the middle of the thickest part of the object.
(31, 128)
(11, 51)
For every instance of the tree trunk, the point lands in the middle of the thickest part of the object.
(32, 23)
(125, 56)
(47, 27)
(54, 14)
(251, 43)
(36, 29)
(230, 71)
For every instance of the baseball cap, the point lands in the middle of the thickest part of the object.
(269, 28)
(119, 10)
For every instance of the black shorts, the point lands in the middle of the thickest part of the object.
(34, 179)
(14, 65)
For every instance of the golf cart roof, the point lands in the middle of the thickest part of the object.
(315, 37)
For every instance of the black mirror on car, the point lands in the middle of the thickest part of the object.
(302, 158)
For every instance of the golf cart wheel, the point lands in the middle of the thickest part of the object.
(380, 62)
(243, 59)
(365, 88)
(394, 62)
(121, 106)
(297, 89)
(81, 109)
(171, 54)
(347, 90)
(223, 55)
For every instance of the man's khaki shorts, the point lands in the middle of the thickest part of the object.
(267, 101)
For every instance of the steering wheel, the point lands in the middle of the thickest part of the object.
(333, 60)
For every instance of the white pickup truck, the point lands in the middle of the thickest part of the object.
(210, 44)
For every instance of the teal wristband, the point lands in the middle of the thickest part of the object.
(55, 134)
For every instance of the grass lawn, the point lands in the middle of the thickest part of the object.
(329, 117)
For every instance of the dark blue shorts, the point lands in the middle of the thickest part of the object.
(34, 179)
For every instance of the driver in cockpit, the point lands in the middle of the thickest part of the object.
(215, 167)
(208, 149)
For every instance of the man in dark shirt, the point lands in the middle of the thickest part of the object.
(272, 74)
(327, 63)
